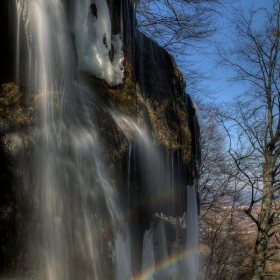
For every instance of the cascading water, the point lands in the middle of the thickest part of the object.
(160, 260)
(66, 178)
(192, 234)
(77, 225)
(19, 10)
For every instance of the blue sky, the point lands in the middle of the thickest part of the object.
(218, 83)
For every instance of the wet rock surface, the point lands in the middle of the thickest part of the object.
(152, 96)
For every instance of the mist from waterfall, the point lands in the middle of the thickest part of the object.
(74, 213)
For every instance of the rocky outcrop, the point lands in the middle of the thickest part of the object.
(151, 101)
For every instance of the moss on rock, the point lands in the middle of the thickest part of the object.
(13, 107)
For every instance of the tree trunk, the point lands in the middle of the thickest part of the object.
(259, 258)
(258, 264)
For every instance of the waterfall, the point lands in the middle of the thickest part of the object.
(88, 210)
(66, 180)
(17, 55)
(192, 235)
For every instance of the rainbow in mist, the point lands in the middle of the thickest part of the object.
(167, 262)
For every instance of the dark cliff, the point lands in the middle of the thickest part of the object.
(151, 97)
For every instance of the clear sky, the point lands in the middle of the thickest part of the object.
(218, 77)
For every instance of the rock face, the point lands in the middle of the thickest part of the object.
(147, 151)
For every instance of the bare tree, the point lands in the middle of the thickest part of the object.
(214, 168)
(224, 248)
(252, 122)
(183, 28)
(177, 24)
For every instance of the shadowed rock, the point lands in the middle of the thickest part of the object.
(93, 9)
